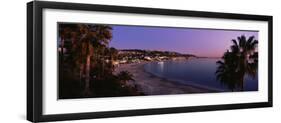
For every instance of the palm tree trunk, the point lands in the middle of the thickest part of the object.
(242, 82)
(81, 72)
(87, 77)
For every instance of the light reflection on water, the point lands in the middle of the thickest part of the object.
(200, 72)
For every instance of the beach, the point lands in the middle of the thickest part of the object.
(153, 85)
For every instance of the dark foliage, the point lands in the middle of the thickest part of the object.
(241, 60)
(86, 63)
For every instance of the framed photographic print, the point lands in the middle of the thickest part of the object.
(95, 61)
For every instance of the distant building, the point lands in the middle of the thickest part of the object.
(147, 58)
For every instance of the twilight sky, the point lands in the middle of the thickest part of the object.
(200, 42)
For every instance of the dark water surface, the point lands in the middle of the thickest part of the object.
(198, 71)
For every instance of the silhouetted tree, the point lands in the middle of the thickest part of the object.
(241, 60)
(85, 40)
(125, 76)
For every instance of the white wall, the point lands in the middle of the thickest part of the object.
(13, 61)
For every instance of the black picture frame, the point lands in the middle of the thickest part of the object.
(34, 60)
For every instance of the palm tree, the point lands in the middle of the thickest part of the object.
(94, 36)
(242, 60)
(113, 53)
(65, 33)
(87, 52)
(86, 40)
(125, 76)
(103, 35)
(226, 71)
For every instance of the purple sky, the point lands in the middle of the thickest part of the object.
(200, 42)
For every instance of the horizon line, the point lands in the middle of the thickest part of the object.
(173, 51)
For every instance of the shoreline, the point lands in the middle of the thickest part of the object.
(150, 84)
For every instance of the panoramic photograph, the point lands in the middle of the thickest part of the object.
(103, 60)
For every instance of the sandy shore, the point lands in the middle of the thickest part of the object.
(153, 85)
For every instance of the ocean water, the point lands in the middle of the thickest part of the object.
(198, 72)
